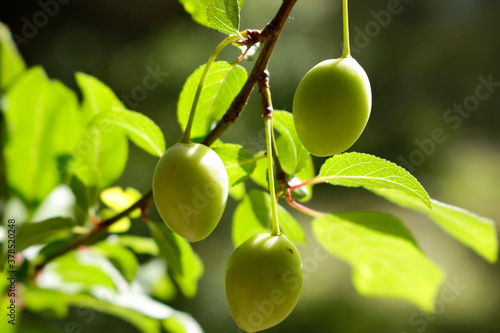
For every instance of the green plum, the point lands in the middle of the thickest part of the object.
(263, 281)
(190, 189)
(332, 105)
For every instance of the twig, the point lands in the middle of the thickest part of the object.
(95, 233)
(302, 208)
(272, 32)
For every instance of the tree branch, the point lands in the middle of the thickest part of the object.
(271, 32)
(95, 233)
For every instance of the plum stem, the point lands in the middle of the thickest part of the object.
(302, 208)
(268, 122)
(346, 52)
(274, 205)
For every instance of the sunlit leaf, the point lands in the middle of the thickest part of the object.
(101, 153)
(97, 96)
(293, 155)
(183, 263)
(38, 299)
(118, 200)
(197, 9)
(172, 325)
(139, 244)
(153, 278)
(253, 216)
(371, 172)
(223, 83)
(11, 62)
(122, 258)
(43, 122)
(238, 161)
(478, 233)
(224, 15)
(140, 129)
(37, 233)
(237, 192)
(82, 269)
(386, 260)
(120, 226)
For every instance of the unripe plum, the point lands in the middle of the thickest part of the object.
(332, 105)
(190, 189)
(263, 281)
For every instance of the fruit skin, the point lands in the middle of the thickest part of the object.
(263, 281)
(332, 105)
(190, 188)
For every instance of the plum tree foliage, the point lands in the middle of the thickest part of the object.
(63, 155)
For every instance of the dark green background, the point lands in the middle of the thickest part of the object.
(426, 59)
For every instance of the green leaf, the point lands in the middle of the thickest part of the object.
(172, 325)
(126, 301)
(184, 264)
(154, 280)
(41, 300)
(140, 129)
(223, 83)
(43, 122)
(197, 9)
(38, 299)
(168, 245)
(103, 159)
(260, 175)
(118, 200)
(253, 216)
(237, 192)
(123, 259)
(293, 155)
(478, 233)
(97, 97)
(37, 233)
(164, 289)
(120, 226)
(138, 244)
(238, 161)
(224, 15)
(371, 172)
(82, 268)
(386, 260)
(11, 62)
(101, 154)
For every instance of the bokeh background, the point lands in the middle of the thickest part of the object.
(422, 61)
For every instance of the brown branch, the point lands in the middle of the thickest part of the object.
(95, 233)
(267, 111)
(271, 34)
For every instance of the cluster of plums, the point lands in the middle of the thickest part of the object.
(264, 274)
(190, 187)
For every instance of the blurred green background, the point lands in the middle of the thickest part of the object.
(424, 59)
